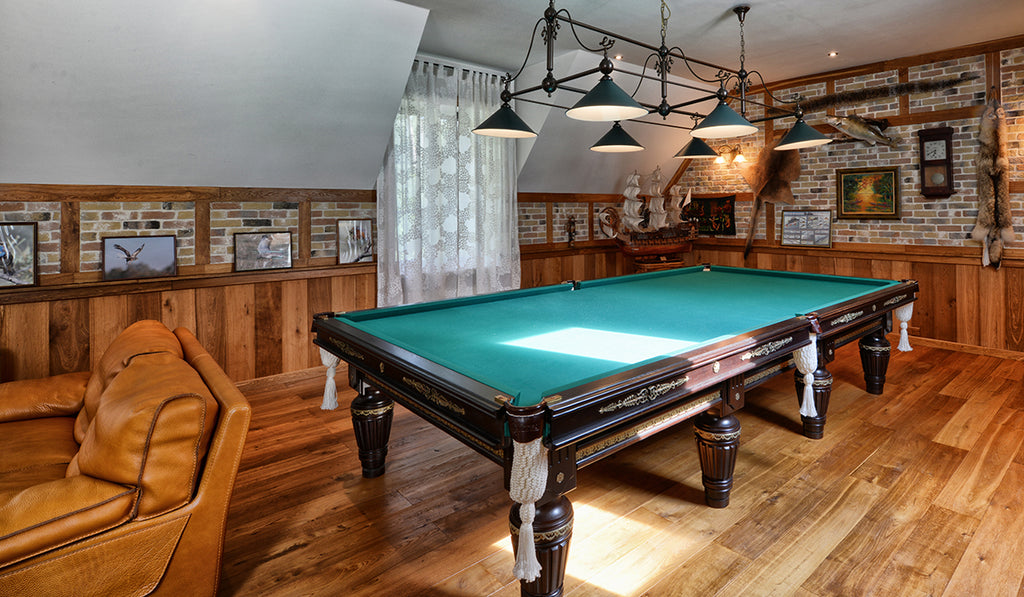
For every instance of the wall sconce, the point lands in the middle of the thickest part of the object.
(730, 155)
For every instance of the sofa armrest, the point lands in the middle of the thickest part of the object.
(49, 515)
(57, 396)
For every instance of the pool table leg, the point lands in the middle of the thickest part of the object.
(874, 356)
(814, 427)
(718, 439)
(372, 412)
(552, 530)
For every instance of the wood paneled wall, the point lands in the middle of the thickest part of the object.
(258, 325)
(959, 300)
(253, 325)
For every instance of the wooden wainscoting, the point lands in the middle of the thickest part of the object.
(254, 325)
(959, 300)
(543, 265)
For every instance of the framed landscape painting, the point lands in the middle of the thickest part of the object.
(18, 246)
(129, 257)
(262, 250)
(868, 193)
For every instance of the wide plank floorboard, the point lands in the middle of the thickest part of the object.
(915, 492)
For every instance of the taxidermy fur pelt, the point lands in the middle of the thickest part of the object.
(994, 227)
(857, 96)
(769, 178)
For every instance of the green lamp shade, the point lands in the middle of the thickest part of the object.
(606, 102)
(616, 140)
(800, 136)
(723, 122)
(697, 149)
(505, 123)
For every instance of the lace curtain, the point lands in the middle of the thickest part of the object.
(446, 207)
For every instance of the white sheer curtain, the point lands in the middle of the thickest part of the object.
(446, 198)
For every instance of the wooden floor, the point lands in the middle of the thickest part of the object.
(917, 492)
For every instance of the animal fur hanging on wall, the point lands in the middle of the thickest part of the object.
(769, 178)
(994, 227)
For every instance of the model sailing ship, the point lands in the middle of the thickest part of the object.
(649, 225)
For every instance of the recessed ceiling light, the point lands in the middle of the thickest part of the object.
(833, 54)
(618, 56)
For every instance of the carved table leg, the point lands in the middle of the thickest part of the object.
(814, 426)
(372, 412)
(552, 530)
(718, 439)
(874, 356)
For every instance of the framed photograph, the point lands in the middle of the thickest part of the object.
(355, 241)
(262, 250)
(807, 228)
(129, 257)
(18, 247)
(868, 193)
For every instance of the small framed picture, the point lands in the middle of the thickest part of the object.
(129, 257)
(18, 247)
(262, 250)
(355, 241)
(868, 193)
(807, 228)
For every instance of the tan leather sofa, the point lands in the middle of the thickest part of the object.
(117, 482)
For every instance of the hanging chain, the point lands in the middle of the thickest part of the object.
(665, 14)
(743, 42)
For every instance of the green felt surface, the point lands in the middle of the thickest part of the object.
(663, 313)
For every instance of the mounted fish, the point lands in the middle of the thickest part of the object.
(994, 226)
(862, 129)
(769, 178)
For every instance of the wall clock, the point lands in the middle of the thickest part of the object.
(936, 147)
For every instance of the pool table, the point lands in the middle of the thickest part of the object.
(584, 369)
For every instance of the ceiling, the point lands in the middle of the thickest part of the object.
(303, 93)
(784, 38)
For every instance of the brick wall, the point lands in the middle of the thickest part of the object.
(924, 220)
(102, 219)
(228, 218)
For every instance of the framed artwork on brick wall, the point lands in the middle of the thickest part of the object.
(868, 193)
(129, 257)
(18, 248)
(807, 228)
(355, 240)
(262, 250)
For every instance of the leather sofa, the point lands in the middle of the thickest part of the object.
(117, 481)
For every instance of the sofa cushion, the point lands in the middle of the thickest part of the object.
(151, 429)
(142, 337)
(48, 515)
(57, 396)
(35, 451)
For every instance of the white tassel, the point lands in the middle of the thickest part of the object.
(526, 486)
(904, 314)
(806, 360)
(330, 361)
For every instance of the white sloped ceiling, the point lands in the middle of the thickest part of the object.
(267, 93)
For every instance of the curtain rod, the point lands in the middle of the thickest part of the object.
(451, 62)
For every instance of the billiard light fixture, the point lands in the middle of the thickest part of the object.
(616, 140)
(697, 149)
(801, 135)
(608, 102)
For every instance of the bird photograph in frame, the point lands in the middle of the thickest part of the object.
(262, 250)
(130, 257)
(18, 244)
(355, 240)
